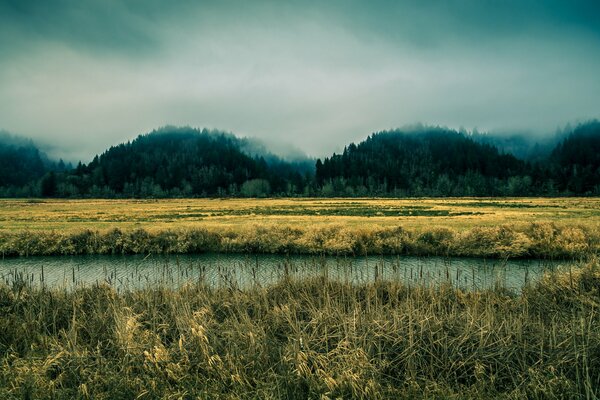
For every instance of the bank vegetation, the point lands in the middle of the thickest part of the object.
(541, 240)
(304, 338)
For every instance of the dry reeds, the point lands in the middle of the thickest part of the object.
(542, 240)
(301, 339)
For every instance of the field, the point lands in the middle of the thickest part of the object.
(458, 213)
(523, 227)
(304, 338)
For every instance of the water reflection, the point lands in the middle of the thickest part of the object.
(243, 271)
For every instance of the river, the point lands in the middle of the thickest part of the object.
(129, 272)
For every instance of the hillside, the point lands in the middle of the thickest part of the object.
(424, 161)
(421, 161)
(22, 164)
(180, 162)
(576, 160)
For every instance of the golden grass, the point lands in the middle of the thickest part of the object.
(304, 339)
(566, 227)
(541, 240)
(463, 213)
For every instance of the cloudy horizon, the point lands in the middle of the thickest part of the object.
(84, 75)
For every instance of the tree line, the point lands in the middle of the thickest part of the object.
(422, 161)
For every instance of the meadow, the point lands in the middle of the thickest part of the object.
(304, 337)
(502, 228)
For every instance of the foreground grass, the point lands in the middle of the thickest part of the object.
(304, 339)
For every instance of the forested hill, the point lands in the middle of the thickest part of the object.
(423, 161)
(432, 161)
(21, 163)
(176, 162)
(576, 160)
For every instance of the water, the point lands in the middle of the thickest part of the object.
(243, 271)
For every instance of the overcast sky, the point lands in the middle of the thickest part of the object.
(84, 75)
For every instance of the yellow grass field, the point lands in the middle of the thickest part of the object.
(455, 213)
(505, 228)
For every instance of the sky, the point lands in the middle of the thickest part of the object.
(80, 76)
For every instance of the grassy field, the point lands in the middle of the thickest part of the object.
(304, 339)
(457, 213)
(523, 227)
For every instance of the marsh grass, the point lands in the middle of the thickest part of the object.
(304, 338)
(457, 213)
(541, 240)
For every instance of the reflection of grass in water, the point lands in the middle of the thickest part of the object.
(245, 271)
(304, 339)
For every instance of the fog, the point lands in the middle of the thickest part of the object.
(82, 76)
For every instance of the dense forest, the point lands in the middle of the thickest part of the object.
(22, 166)
(418, 161)
(176, 162)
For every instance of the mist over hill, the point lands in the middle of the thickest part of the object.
(413, 161)
(23, 164)
(523, 146)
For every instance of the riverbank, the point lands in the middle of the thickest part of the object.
(536, 240)
(472, 227)
(305, 338)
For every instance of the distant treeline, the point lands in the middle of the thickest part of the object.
(422, 161)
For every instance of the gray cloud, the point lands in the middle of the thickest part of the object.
(85, 75)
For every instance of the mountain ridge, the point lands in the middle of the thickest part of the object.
(414, 161)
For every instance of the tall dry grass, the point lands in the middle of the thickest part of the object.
(545, 240)
(300, 339)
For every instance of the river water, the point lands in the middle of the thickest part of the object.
(130, 272)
